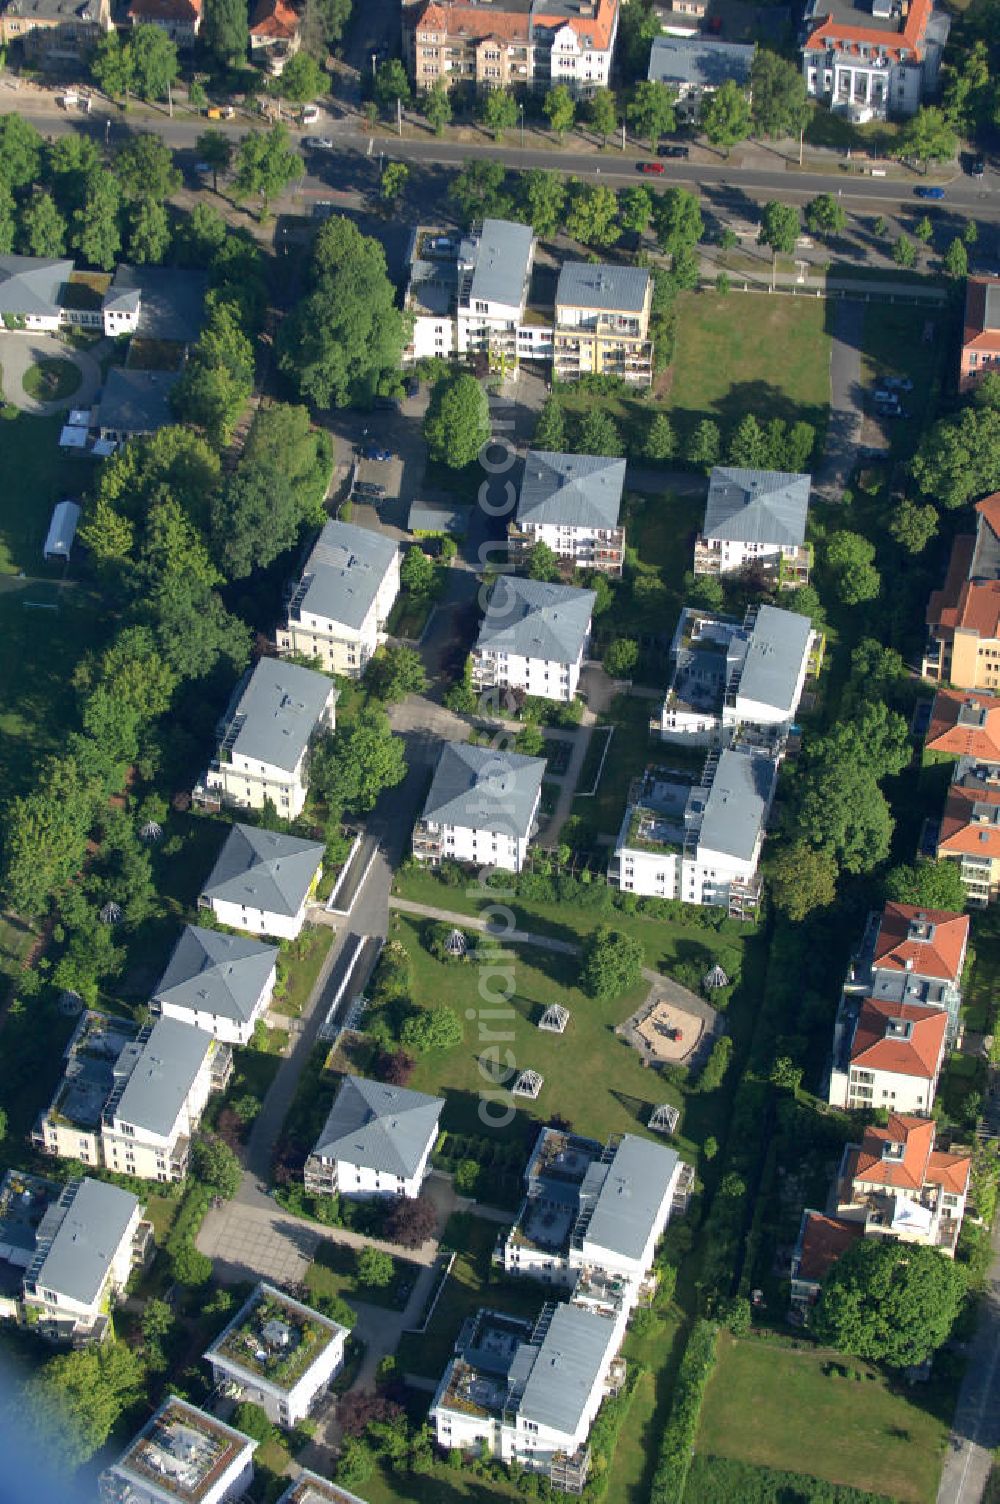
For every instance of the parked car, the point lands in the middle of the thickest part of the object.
(649, 166)
(221, 112)
(680, 152)
(897, 383)
(886, 396)
(978, 168)
(373, 452)
(368, 488)
(934, 193)
(317, 143)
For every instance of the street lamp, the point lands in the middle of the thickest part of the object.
(374, 61)
(521, 113)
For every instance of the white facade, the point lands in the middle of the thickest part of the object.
(581, 67)
(865, 88)
(586, 547)
(434, 841)
(228, 1030)
(284, 1405)
(730, 555)
(134, 1149)
(62, 1306)
(328, 1177)
(181, 1454)
(341, 647)
(861, 1088)
(242, 774)
(255, 921)
(548, 679)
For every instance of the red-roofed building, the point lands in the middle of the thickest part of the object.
(873, 59)
(180, 19)
(980, 331)
(896, 1184)
(969, 832)
(965, 723)
(821, 1242)
(275, 35)
(963, 618)
(512, 41)
(888, 1054)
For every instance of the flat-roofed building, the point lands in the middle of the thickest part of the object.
(277, 1353)
(533, 639)
(182, 1455)
(482, 807)
(95, 1059)
(571, 503)
(377, 1141)
(310, 1488)
(602, 323)
(219, 983)
(339, 608)
(263, 881)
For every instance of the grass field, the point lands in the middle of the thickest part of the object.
(51, 380)
(333, 1273)
(36, 474)
(775, 1407)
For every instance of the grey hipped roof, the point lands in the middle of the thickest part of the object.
(279, 704)
(86, 1226)
(502, 258)
(344, 571)
(778, 643)
(211, 972)
(32, 285)
(757, 506)
(264, 869)
(584, 285)
(566, 1366)
(379, 1127)
(481, 789)
(171, 302)
(701, 61)
(537, 620)
(581, 490)
(992, 319)
(737, 803)
(627, 1194)
(136, 401)
(164, 1073)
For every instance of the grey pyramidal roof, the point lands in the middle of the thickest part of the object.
(136, 401)
(86, 1236)
(264, 869)
(344, 571)
(566, 1367)
(379, 1127)
(32, 285)
(737, 803)
(164, 1072)
(480, 789)
(757, 506)
(584, 285)
(503, 257)
(280, 704)
(581, 490)
(211, 972)
(537, 620)
(701, 61)
(778, 643)
(627, 1195)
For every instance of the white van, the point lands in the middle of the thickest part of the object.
(310, 114)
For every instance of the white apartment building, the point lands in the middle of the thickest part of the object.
(571, 503)
(218, 982)
(698, 840)
(727, 677)
(277, 1353)
(339, 609)
(533, 638)
(482, 807)
(377, 1141)
(888, 1055)
(265, 735)
(310, 1488)
(755, 519)
(86, 1244)
(873, 60)
(602, 317)
(263, 881)
(95, 1059)
(180, 1456)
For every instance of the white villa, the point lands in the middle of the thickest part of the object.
(339, 608)
(277, 1353)
(887, 1054)
(571, 503)
(533, 638)
(377, 1141)
(263, 881)
(218, 982)
(755, 519)
(482, 807)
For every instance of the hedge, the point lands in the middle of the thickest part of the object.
(677, 1446)
(726, 1481)
(604, 1434)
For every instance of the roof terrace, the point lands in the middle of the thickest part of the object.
(274, 1338)
(655, 816)
(92, 1057)
(180, 1454)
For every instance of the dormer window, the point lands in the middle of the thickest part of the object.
(892, 1149)
(899, 1028)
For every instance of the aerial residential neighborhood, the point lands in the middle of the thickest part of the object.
(500, 756)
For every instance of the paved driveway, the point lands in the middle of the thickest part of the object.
(19, 352)
(846, 398)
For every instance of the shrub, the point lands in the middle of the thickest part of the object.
(677, 1446)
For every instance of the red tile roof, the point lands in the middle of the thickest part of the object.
(275, 20)
(989, 511)
(975, 334)
(940, 955)
(823, 1241)
(869, 1165)
(473, 23)
(965, 723)
(845, 36)
(970, 604)
(918, 1054)
(594, 32)
(961, 830)
(950, 1171)
(163, 11)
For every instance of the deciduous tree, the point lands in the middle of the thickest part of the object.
(725, 115)
(929, 885)
(778, 93)
(850, 558)
(225, 31)
(651, 112)
(612, 963)
(889, 1302)
(301, 79)
(42, 229)
(602, 113)
(498, 112)
(265, 165)
(825, 215)
(592, 217)
(802, 878)
(560, 109)
(436, 108)
(913, 525)
(542, 197)
(216, 150)
(457, 424)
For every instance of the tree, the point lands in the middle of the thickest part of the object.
(8, 223)
(355, 1462)
(75, 1400)
(542, 199)
(216, 150)
(956, 261)
(392, 87)
(725, 115)
(928, 885)
(20, 151)
(543, 563)
(661, 441)
(636, 209)
(912, 525)
(560, 109)
(825, 215)
(602, 113)
(417, 573)
(637, 26)
(436, 108)
(959, 457)
(301, 79)
(498, 112)
(457, 424)
(148, 232)
(799, 446)
(802, 878)
(43, 229)
(265, 165)
(225, 31)
(95, 224)
(747, 447)
(841, 809)
(431, 1029)
(924, 230)
(154, 61)
(145, 167)
(352, 767)
(779, 106)
(903, 253)
(851, 560)
(971, 232)
(612, 963)
(550, 430)
(216, 1166)
(592, 217)
(704, 445)
(880, 226)
(779, 227)
(477, 191)
(889, 1302)
(651, 112)
(393, 181)
(598, 434)
(218, 377)
(621, 657)
(927, 137)
(714, 1070)
(396, 672)
(375, 1268)
(677, 220)
(968, 100)
(45, 836)
(112, 66)
(411, 1221)
(466, 1177)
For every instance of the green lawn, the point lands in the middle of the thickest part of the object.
(630, 751)
(775, 1407)
(300, 965)
(332, 1273)
(36, 474)
(51, 380)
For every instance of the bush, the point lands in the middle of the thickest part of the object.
(716, 1065)
(677, 1446)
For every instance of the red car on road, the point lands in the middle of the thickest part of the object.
(650, 166)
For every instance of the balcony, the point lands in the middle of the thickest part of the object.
(707, 560)
(744, 897)
(222, 1067)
